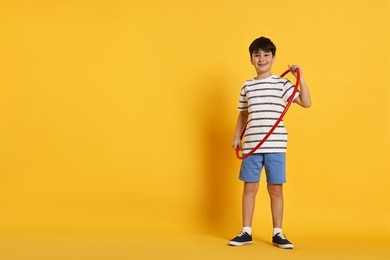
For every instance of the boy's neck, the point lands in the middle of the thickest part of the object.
(263, 75)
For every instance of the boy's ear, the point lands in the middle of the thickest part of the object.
(273, 59)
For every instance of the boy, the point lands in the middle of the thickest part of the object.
(262, 100)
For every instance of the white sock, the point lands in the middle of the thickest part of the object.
(247, 230)
(277, 230)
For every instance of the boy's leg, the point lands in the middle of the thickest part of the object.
(248, 202)
(275, 192)
(250, 175)
(275, 165)
(248, 207)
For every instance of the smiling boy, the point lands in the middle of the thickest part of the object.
(262, 100)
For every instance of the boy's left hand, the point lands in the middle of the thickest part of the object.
(293, 69)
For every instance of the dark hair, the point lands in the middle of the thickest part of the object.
(263, 44)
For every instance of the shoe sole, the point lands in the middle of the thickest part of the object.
(287, 246)
(232, 243)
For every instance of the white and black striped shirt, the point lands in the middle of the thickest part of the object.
(265, 101)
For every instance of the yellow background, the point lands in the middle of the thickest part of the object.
(116, 117)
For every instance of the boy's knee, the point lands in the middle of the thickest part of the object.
(251, 187)
(275, 189)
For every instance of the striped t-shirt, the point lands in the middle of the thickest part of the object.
(265, 101)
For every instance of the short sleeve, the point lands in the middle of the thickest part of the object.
(288, 89)
(243, 102)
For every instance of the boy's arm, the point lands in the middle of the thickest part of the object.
(303, 99)
(241, 122)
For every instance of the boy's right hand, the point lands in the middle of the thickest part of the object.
(236, 143)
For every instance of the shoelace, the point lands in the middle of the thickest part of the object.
(281, 236)
(241, 233)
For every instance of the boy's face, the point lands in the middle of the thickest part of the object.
(262, 61)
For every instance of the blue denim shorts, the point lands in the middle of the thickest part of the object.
(274, 164)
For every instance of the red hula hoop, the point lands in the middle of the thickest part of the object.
(277, 122)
